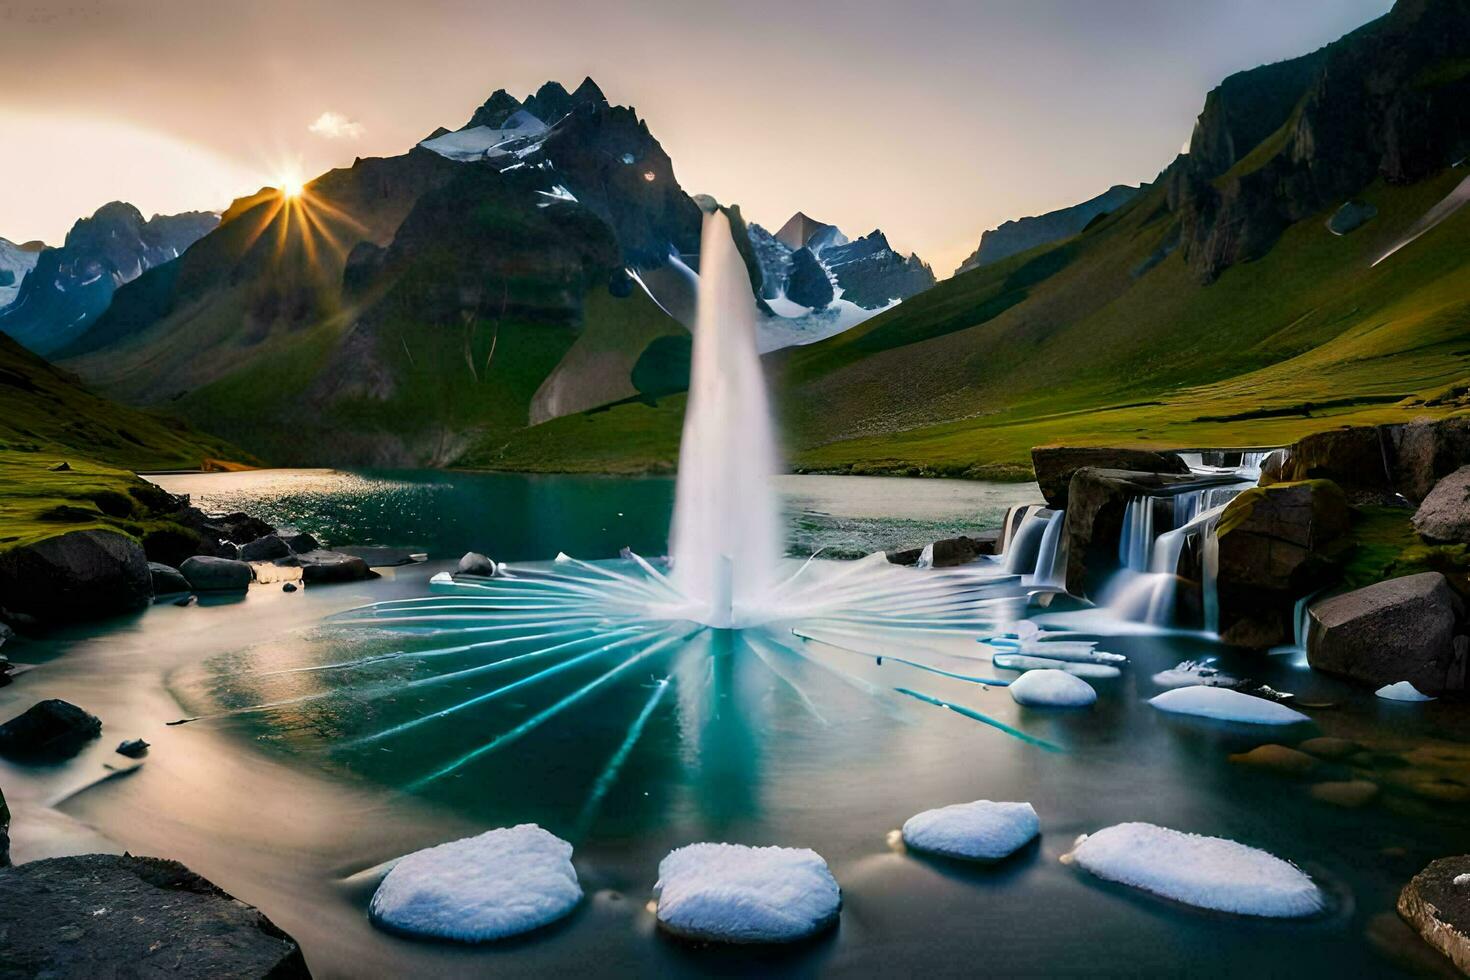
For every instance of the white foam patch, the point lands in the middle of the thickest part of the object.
(499, 884)
(1207, 872)
(1402, 691)
(1048, 688)
(979, 831)
(1226, 705)
(737, 894)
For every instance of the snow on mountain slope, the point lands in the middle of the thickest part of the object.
(16, 262)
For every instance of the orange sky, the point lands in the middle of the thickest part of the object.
(934, 120)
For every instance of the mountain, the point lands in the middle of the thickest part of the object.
(1024, 234)
(408, 307)
(69, 287)
(1208, 311)
(16, 262)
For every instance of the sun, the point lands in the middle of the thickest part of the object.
(291, 186)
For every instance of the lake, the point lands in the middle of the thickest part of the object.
(284, 791)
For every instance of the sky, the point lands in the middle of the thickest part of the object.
(932, 119)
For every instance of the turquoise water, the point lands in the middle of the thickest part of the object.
(396, 732)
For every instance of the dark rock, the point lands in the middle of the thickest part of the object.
(301, 543)
(872, 275)
(474, 563)
(1276, 544)
(1054, 466)
(1097, 499)
(166, 580)
(267, 548)
(75, 576)
(6, 634)
(1444, 516)
(108, 915)
(289, 587)
(1359, 459)
(1428, 451)
(62, 467)
(1436, 902)
(4, 832)
(909, 556)
(226, 549)
(217, 574)
(1399, 630)
(1273, 466)
(963, 550)
(187, 600)
(133, 748)
(321, 567)
(240, 527)
(48, 730)
(1350, 217)
(808, 283)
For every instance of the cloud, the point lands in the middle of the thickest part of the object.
(335, 126)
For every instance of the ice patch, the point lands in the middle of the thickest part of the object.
(501, 883)
(557, 194)
(979, 831)
(1047, 688)
(737, 894)
(1194, 672)
(1207, 872)
(1402, 691)
(1226, 705)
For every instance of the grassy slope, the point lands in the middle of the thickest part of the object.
(46, 418)
(1063, 344)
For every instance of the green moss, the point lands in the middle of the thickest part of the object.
(1386, 546)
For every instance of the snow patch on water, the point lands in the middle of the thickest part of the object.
(737, 894)
(1225, 705)
(1402, 691)
(1049, 688)
(980, 831)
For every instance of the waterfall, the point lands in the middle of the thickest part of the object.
(726, 538)
(1147, 587)
(1050, 569)
(1024, 548)
(1138, 534)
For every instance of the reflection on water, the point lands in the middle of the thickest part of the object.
(515, 517)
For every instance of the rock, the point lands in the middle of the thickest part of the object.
(474, 563)
(1223, 704)
(1439, 908)
(493, 886)
(909, 556)
(267, 548)
(322, 567)
(1097, 499)
(1397, 630)
(1349, 793)
(808, 283)
(962, 550)
(4, 832)
(186, 601)
(6, 634)
(1427, 452)
(108, 915)
(289, 587)
(301, 543)
(48, 730)
(731, 893)
(1055, 465)
(75, 576)
(207, 574)
(61, 467)
(239, 527)
(1359, 459)
(1332, 749)
(1050, 688)
(167, 580)
(1273, 466)
(979, 831)
(1276, 758)
(1276, 544)
(134, 748)
(1444, 516)
(1350, 217)
(1207, 872)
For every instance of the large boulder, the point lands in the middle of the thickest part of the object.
(75, 576)
(238, 527)
(110, 915)
(1402, 629)
(321, 567)
(1276, 544)
(1444, 516)
(1055, 466)
(1428, 451)
(474, 563)
(206, 574)
(48, 730)
(167, 580)
(1097, 500)
(1359, 459)
(1436, 902)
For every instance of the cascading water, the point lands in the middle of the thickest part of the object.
(725, 543)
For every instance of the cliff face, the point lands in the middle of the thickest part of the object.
(1024, 234)
(1279, 143)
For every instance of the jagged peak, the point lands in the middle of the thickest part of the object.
(494, 109)
(588, 92)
